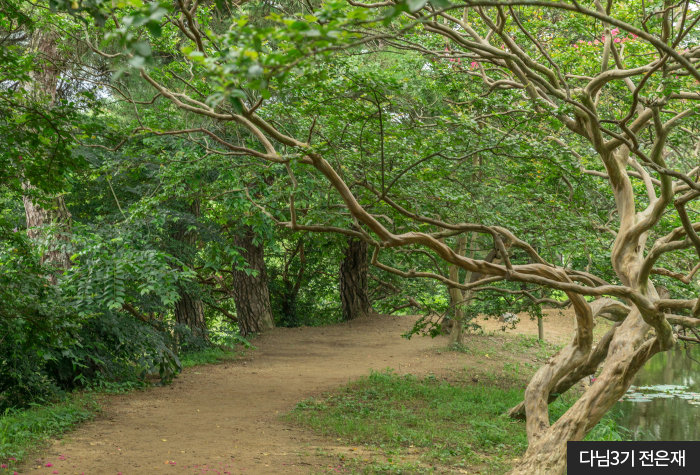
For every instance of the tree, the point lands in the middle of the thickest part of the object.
(189, 309)
(42, 87)
(585, 106)
(250, 291)
(354, 280)
(565, 107)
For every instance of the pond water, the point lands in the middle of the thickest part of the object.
(664, 402)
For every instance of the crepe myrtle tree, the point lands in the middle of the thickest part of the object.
(627, 94)
(626, 110)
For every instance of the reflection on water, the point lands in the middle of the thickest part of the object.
(663, 404)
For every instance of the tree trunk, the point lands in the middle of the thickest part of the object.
(627, 351)
(353, 280)
(43, 86)
(458, 298)
(189, 309)
(290, 294)
(58, 215)
(250, 292)
(546, 454)
(288, 310)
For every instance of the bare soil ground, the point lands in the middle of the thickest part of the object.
(225, 418)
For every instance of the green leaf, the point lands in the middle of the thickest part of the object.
(415, 5)
(237, 104)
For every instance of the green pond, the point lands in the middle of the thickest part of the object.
(664, 402)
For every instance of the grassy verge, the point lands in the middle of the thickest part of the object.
(21, 432)
(209, 356)
(419, 424)
(407, 425)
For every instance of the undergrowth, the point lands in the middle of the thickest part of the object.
(208, 356)
(21, 431)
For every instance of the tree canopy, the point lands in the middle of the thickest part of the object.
(200, 165)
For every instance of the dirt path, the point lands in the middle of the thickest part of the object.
(224, 419)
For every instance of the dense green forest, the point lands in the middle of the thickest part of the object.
(182, 175)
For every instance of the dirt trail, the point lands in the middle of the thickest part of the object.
(225, 418)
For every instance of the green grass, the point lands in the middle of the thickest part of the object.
(208, 356)
(21, 432)
(448, 424)
(421, 426)
(24, 431)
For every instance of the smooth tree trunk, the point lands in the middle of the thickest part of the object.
(540, 320)
(628, 351)
(189, 309)
(250, 291)
(625, 349)
(458, 299)
(354, 280)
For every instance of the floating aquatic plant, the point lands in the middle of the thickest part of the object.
(660, 391)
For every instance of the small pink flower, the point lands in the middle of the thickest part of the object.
(590, 43)
(596, 42)
(575, 46)
(3, 466)
(49, 464)
(617, 40)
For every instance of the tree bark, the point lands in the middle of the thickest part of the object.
(43, 86)
(189, 309)
(58, 215)
(290, 294)
(250, 292)
(458, 298)
(353, 280)
(546, 453)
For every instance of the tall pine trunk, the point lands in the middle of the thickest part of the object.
(250, 292)
(189, 309)
(353, 280)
